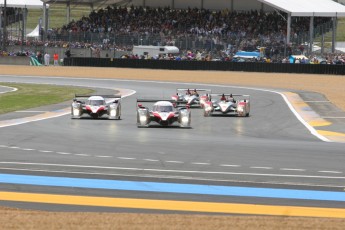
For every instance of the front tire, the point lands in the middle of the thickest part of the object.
(207, 113)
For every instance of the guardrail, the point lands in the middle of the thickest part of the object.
(208, 65)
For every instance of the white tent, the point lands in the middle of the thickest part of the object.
(35, 33)
(29, 4)
(308, 8)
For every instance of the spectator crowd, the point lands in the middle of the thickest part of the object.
(201, 34)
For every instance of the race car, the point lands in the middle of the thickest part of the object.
(96, 106)
(191, 97)
(163, 113)
(227, 104)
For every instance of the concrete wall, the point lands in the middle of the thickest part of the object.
(17, 60)
(9, 60)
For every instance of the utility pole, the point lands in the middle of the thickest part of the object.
(4, 33)
(1, 13)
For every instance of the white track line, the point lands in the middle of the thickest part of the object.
(176, 162)
(258, 167)
(172, 170)
(63, 153)
(12, 89)
(334, 172)
(126, 158)
(290, 169)
(150, 160)
(225, 165)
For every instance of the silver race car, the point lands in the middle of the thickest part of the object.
(107, 106)
(227, 104)
(163, 113)
(195, 97)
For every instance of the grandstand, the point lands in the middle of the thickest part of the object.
(289, 27)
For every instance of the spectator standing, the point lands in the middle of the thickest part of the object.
(68, 53)
(39, 57)
(46, 59)
(56, 59)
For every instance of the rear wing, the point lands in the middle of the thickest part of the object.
(192, 89)
(115, 96)
(154, 100)
(140, 100)
(108, 98)
(229, 94)
(245, 97)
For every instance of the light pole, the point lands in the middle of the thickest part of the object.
(4, 32)
(1, 32)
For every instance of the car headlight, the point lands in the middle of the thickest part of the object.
(143, 118)
(113, 113)
(185, 119)
(240, 109)
(76, 111)
(208, 108)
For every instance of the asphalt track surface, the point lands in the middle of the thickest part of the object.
(269, 158)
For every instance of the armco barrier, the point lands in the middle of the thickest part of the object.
(208, 65)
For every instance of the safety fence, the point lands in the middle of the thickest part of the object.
(208, 65)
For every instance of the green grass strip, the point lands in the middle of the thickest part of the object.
(32, 95)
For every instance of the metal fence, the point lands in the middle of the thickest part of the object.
(214, 44)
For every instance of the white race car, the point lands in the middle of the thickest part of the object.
(107, 106)
(191, 97)
(227, 104)
(163, 113)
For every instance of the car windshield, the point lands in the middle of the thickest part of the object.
(160, 108)
(95, 102)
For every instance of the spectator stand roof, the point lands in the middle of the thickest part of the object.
(103, 3)
(29, 4)
(294, 8)
(308, 8)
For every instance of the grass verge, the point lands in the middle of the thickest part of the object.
(32, 95)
